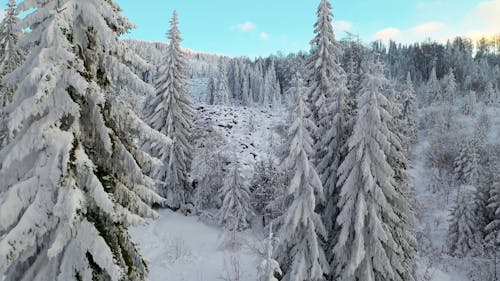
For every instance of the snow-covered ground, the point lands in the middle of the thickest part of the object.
(180, 248)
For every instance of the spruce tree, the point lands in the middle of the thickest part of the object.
(461, 231)
(369, 242)
(469, 108)
(236, 212)
(246, 94)
(327, 98)
(353, 79)
(300, 250)
(404, 259)
(409, 110)
(10, 56)
(433, 88)
(221, 89)
(170, 112)
(72, 176)
(450, 88)
(272, 88)
(466, 165)
(210, 91)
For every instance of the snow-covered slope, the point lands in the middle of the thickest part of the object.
(184, 248)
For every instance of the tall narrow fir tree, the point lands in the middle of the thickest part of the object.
(171, 113)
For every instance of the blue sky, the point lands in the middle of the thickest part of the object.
(262, 27)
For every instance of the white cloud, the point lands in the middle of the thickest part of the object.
(341, 26)
(264, 36)
(390, 33)
(2, 14)
(482, 20)
(428, 27)
(433, 30)
(245, 27)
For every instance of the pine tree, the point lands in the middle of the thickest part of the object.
(450, 88)
(246, 94)
(236, 212)
(210, 91)
(433, 88)
(300, 251)
(296, 87)
(461, 238)
(470, 104)
(170, 112)
(353, 79)
(322, 64)
(72, 176)
(272, 88)
(368, 243)
(10, 57)
(466, 164)
(328, 101)
(409, 111)
(221, 94)
(404, 259)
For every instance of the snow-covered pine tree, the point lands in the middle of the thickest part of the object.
(300, 251)
(326, 78)
(432, 89)
(221, 94)
(469, 108)
(368, 243)
(402, 229)
(327, 98)
(236, 212)
(170, 112)
(71, 177)
(10, 56)
(450, 88)
(395, 108)
(210, 90)
(246, 95)
(466, 165)
(292, 93)
(353, 78)
(409, 110)
(272, 88)
(269, 267)
(461, 231)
